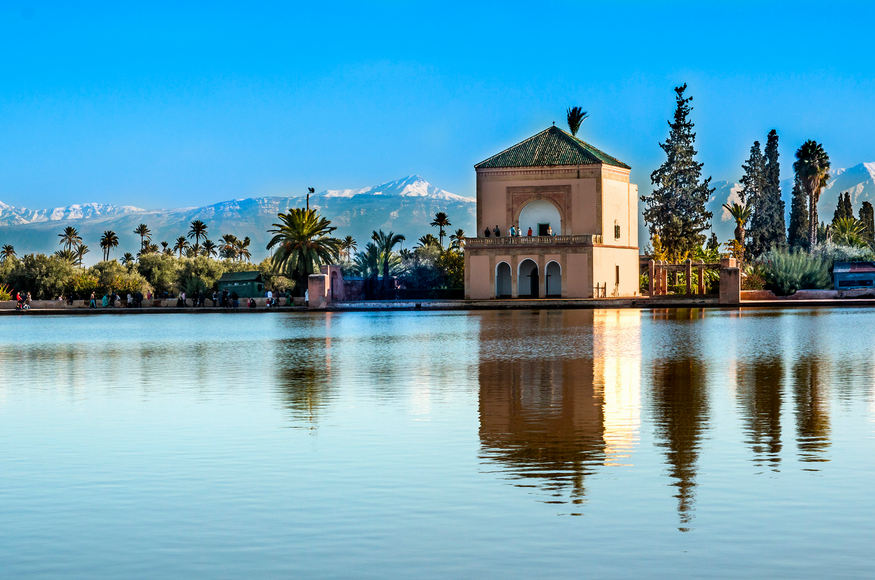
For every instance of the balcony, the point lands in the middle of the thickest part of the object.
(581, 240)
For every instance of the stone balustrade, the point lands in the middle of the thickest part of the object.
(579, 240)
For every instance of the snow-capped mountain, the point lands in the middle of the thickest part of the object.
(405, 206)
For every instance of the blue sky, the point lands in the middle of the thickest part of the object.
(166, 105)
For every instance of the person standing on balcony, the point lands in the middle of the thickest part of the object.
(530, 231)
(512, 232)
(550, 231)
(486, 232)
(496, 232)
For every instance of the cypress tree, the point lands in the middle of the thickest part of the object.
(844, 209)
(867, 218)
(769, 224)
(797, 233)
(675, 210)
(752, 194)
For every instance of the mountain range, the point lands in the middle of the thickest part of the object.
(406, 206)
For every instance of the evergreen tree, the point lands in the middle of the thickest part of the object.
(752, 194)
(844, 209)
(675, 210)
(867, 218)
(797, 233)
(713, 243)
(767, 224)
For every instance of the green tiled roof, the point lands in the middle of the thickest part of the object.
(552, 146)
(241, 277)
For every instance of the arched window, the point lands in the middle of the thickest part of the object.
(616, 230)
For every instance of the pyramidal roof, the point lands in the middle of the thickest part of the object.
(552, 146)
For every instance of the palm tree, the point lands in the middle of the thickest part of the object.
(209, 249)
(242, 249)
(812, 170)
(428, 240)
(142, 230)
(348, 245)
(66, 254)
(181, 245)
(303, 242)
(386, 245)
(7, 252)
(149, 249)
(740, 213)
(165, 249)
(441, 221)
(576, 116)
(849, 232)
(81, 250)
(108, 241)
(70, 237)
(229, 246)
(197, 231)
(457, 240)
(128, 259)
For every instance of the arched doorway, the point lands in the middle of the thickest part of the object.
(554, 279)
(539, 215)
(503, 285)
(527, 279)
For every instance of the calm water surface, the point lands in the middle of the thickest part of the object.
(567, 444)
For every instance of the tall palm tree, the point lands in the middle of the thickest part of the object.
(80, 252)
(7, 251)
(70, 237)
(165, 249)
(348, 245)
(441, 221)
(812, 170)
(142, 230)
(127, 259)
(386, 245)
(575, 116)
(457, 240)
(197, 231)
(303, 242)
(209, 250)
(242, 249)
(181, 245)
(108, 241)
(740, 213)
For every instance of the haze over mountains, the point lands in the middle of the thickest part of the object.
(404, 206)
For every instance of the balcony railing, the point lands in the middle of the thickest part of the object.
(581, 240)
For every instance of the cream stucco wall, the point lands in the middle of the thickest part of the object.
(605, 261)
(620, 204)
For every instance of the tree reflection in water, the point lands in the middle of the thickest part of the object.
(812, 409)
(760, 396)
(680, 403)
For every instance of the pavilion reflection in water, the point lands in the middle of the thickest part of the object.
(551, 414)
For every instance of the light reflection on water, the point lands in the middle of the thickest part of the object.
(438, 444)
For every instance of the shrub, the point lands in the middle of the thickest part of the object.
(5, 292)
(43, 276)
(160, 271)
(785, 272)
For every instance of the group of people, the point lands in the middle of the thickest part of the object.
(514, 232)
(22, 302)
(223, 299)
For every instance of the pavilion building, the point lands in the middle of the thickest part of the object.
(553, 183)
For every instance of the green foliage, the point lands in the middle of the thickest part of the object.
(797, 232)
(844, 208)
(192, 284)
(5, 292)
(204, 269)
(81, 285)
(786, 271)
(767, 222)
(867, 218)
(675, 210)
(161, 271)
(106, 272)
(43, 276)
(832, 253)
(451, 263)
(847, 231)
(128, 283)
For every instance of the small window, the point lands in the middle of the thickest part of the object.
(617, 274)
(616, 230)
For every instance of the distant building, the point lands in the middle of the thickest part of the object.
(553, 182)
(245, 284)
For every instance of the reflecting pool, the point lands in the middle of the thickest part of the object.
(519, 444)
